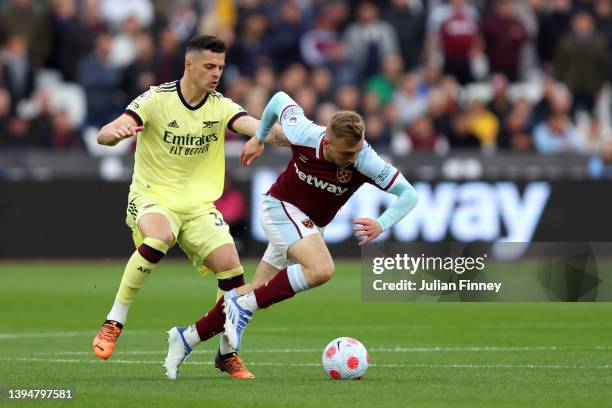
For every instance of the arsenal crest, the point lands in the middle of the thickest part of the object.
(344, 175)
(308, 224)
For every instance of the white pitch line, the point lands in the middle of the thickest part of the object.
(277, 329)
(137, 362)
(398, 349)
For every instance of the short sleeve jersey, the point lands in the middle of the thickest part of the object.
(180, 157)
(316, 186)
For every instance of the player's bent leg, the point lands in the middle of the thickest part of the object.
(225, 263)
(137, 271)
(263, 273)
(317, 268)
(317, 263)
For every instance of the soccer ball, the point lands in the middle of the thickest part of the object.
(345, 359)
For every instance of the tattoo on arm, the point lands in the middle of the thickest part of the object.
(277, 137)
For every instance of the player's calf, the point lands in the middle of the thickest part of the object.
(319, 274)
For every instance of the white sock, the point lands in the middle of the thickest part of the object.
(118, 312)
(224, 345)
(192, 336)
(248, 302)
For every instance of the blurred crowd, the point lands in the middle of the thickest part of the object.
(427, 75)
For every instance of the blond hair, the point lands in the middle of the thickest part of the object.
(347, 125)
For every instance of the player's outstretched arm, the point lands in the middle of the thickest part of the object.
(407, 199)
(368, 229)
(251, 151)
(121, 128)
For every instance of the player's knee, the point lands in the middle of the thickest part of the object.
(230, 279)
(323, 272)
(167, 237)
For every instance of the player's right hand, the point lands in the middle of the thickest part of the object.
(251, 151)
(123, 132)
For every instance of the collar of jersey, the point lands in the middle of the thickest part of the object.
(188, 106)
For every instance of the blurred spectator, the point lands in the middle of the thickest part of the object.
(71, 38)
(453, 31)
(252, 46)
(306, 97)
(552, 23)
(140, 74)
(409, 104)
(603, 19)
(286, 34)
(500, 105)
(325, 112)
(556, 98)
(504, 36)
(170, 59)
(5, 111)
(115, 12)
(600, 165)
(315, 43)
(430, 78)
(441, 109)
(515, 133)
(386, 82)
(294, 78)
(62, 135)
(556, 135)
(594, 136)
(422, 135)
(482, 123)
(21, 19)
(101, 82)
(347, 98)
(409, 25)
(183, 20)
(321, 81)
(17, 72)
(581, 61)
(123, 48)
(369, 40)
(377, 133)
(461, 136)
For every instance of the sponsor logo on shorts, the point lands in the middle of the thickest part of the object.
(344, 175)
(308, 224)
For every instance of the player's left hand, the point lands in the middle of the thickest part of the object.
(368, 228)
(251, 151)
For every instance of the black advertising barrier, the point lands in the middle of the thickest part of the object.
(81, 219)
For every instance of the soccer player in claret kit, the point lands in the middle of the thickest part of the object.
(179, 172)
(328, 165)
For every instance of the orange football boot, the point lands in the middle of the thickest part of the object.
(232, 365)
(104, 342)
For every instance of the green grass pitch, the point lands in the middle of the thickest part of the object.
(423, 354)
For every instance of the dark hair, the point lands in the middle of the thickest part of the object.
(206, 42)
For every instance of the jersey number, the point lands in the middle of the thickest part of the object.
(218, 220)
